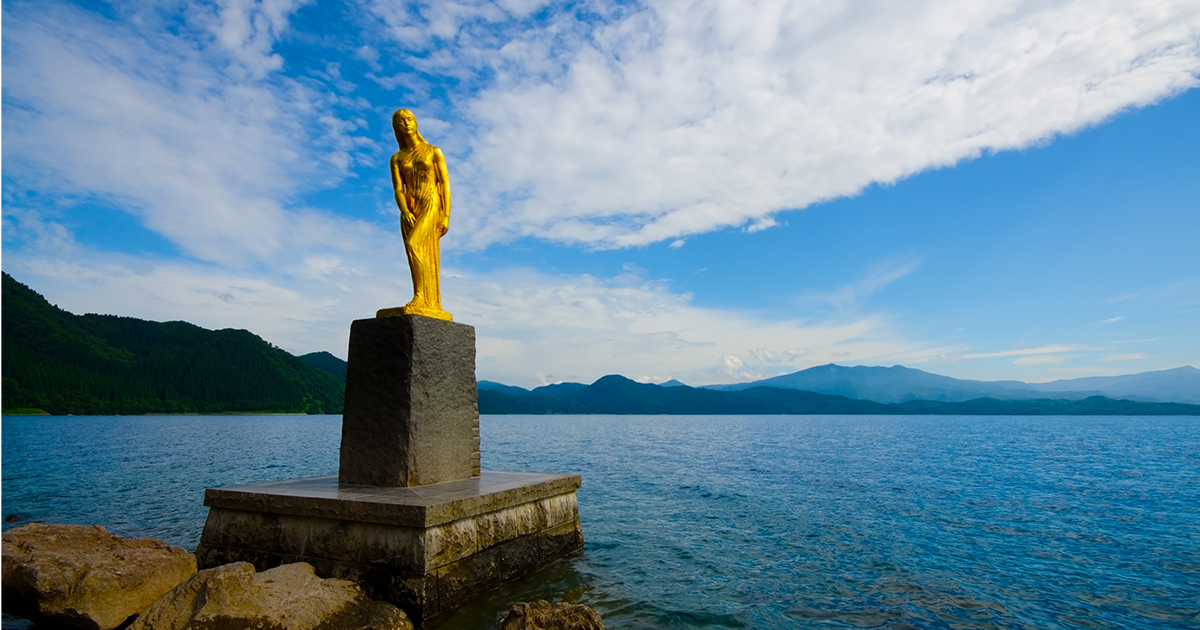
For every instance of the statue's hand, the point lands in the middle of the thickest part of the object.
(443, 227)
(409, 219)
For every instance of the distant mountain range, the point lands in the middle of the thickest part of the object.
(102, 364)
(61, 363)
(615, 394)
(899, 384)
(835, 389)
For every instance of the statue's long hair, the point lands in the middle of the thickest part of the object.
(400, 136)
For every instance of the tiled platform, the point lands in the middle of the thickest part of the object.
(426, 549)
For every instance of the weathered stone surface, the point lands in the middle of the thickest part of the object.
(411, 415)
(540, 615)
(551, 521)
(425, 570)
(425, 506)
(84, 577)
(290, 597)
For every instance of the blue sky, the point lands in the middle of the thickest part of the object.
(706, 190)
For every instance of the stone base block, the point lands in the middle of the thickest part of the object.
(411, 416)
(427, 549)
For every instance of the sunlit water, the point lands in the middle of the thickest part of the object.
(735, 521)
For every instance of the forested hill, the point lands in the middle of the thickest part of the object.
(104, 364)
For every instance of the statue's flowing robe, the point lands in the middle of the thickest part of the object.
(423, 191)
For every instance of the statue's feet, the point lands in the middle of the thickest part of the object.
(414, 309)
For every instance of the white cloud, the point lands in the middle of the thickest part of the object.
(527, 323)
(530, 322)
(616, 126)
(766, 355)
(1112, 320)
(1041, 359)
(852, 296)
(637, 124)
(248, 30)
(691, 116)
(1024, 352)
(1130, 356)
(45, 237)
(142, 119)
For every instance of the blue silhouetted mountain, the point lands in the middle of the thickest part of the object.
(898, 384)
(1181, 384)
(326, 363)
(511, 390)
(619, 395)
(91, 364)
(556, 389)
(616, 394)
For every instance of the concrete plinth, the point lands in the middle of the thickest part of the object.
(411, 415)
(426, 549)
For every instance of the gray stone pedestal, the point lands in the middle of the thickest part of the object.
(411, 415)
(427, 549)
(409, 515)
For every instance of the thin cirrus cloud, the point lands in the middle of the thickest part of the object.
(1130, 356)
(851, 297)
(1026, 352)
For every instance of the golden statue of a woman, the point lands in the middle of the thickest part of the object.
(423, 194)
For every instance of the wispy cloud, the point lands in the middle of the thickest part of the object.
(1039, 359)
(1131, 356)
(852, 296)
(1023, 352)
(605, 125)
(1028, 357)
(601, 124)
(1184, 292)
(1111, 320)
(187, 136)
(527, 322)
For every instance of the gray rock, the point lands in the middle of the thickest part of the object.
(411, 415)
(84, 577)
(290, 597)
(540, 615)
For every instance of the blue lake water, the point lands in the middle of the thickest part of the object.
(735, 521)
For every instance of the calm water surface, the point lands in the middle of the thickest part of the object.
(736, 521)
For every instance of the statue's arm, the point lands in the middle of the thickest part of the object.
(443, 177)
(398, 187)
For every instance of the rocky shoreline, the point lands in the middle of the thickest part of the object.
(82, 577)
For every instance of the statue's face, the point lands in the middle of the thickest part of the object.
(407, 122)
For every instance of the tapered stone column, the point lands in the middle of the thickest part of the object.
(411, 415)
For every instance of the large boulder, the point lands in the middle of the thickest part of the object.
(85, 577)
(291, 597)
(540, 615)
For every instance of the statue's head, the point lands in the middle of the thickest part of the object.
(404, 124)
